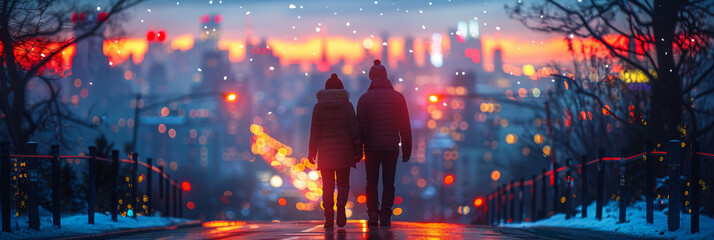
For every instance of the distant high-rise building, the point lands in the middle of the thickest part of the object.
(498, 60)
(210, 31)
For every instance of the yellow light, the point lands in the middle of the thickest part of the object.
(528, 70)
(511, 138)
(433, 98)
(546, 150)
(538, 138)
(276, 181)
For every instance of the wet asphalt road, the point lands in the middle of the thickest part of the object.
(358, 229)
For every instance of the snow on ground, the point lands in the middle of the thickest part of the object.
(636, 224)
(76, 225)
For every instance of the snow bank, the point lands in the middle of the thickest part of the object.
(636, 224)
(76, 225)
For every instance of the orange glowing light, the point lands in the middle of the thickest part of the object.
(183, 43)
(231, 97)
(185, 186)
(478, 202)
(119, 50)
(495, 175)
(398, 211)
(236, 49)
(361, 199)
(395, 51)
(282, 202)
(433, 98)
(31, 51)
(449, 179)
(606, 110)
(308, 52)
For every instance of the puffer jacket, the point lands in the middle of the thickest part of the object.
(384, 118)
(334, 132)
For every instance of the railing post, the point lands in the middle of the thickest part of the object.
(489, 210)
(649, 182)
(543, 196)
(600, 184)
(504, 203)
(134, 183)
(115, 189)
(521, 198)
(674, 155)
(533, 200)
(168, 197)
(498, 206)
(149, 173)
(92, 185)
(623, 187)
(175, 190)
(56, 187)
(511, 198)
(161, 182)
(556, 190)
(180, 201)
(568, 190)
(584, 186)
(5, 185)
(33, 210)
(695, 187)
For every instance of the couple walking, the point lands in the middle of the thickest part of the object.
(338, 137)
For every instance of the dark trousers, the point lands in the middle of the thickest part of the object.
(328, 188)
(388, 162)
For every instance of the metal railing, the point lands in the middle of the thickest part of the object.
(500, 205)
(167, 186)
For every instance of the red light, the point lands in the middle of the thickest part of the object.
(449, 179)
(282, 201)
(433, 98)
(218, 18)
(361, 199)
(75, 17)
(205, 18)
(224, 199)
(190, 205)
(102, 16)
(150, 35)
(478, 202)
(161, 36)
(398, 200)
(185, 186)
(231, 97)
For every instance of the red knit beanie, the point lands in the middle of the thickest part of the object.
(334, 82)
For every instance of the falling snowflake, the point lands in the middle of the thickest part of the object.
(200, 70)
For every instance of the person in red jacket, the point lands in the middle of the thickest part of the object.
(384, 124)
(335, 142)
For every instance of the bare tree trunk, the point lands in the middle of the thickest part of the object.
(666, 104)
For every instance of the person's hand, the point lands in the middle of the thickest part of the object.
(406, 158)
(311, 158)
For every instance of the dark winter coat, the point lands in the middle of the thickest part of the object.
(334, 132)
(384, 118)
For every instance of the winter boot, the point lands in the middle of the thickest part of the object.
(329, 219)
(373, 219)
(385, 220)
(341, 217)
